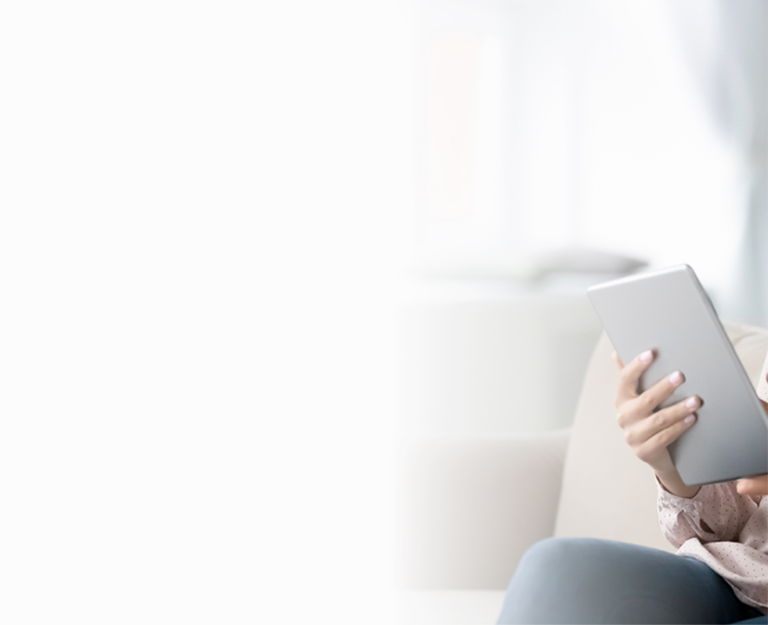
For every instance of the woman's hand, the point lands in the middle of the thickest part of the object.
(649, 433)
(755, 485)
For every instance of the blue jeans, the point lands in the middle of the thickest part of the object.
(586, 580)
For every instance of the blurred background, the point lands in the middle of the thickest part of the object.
(244, 246)
(557, 144)
(561, 144)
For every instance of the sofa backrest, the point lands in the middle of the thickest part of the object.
(607, 492)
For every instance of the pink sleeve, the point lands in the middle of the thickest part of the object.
(716, 513)
(762, 384)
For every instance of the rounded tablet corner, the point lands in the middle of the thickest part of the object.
(692, 482)
(684, 267)
(682, 476)
(686, 482)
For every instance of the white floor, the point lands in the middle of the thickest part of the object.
(450, 607)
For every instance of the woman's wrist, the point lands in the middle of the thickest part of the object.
(673, 483)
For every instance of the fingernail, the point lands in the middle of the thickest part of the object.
(689, 419)
(646, 356)
(675, 377)
(691, 402)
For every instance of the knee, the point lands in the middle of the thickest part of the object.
(560, 551)
(556, 567)
(560, 559)
(589, 577)
(598, 559)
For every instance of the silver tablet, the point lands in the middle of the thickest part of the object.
(669, 311)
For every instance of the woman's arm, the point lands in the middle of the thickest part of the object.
(710, 513)
(650, 433)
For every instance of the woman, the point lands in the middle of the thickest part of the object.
(720, 572)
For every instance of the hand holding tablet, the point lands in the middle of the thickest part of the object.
(668, 312)
(648, 432)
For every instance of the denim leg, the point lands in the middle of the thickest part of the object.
(587, 580)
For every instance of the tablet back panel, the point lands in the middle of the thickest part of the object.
(668, 311)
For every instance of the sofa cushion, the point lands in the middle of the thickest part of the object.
(607, 492)
(470, 506)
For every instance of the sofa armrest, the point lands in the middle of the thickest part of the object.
(469, 507)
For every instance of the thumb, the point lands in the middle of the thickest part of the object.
(753, 486)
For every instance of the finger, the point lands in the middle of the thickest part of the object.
(630, 376)
(617, 360)
(651, 425)
(753, 486)
(664, 438)
(660, 391)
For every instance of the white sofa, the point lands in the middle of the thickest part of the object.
(471, 506)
